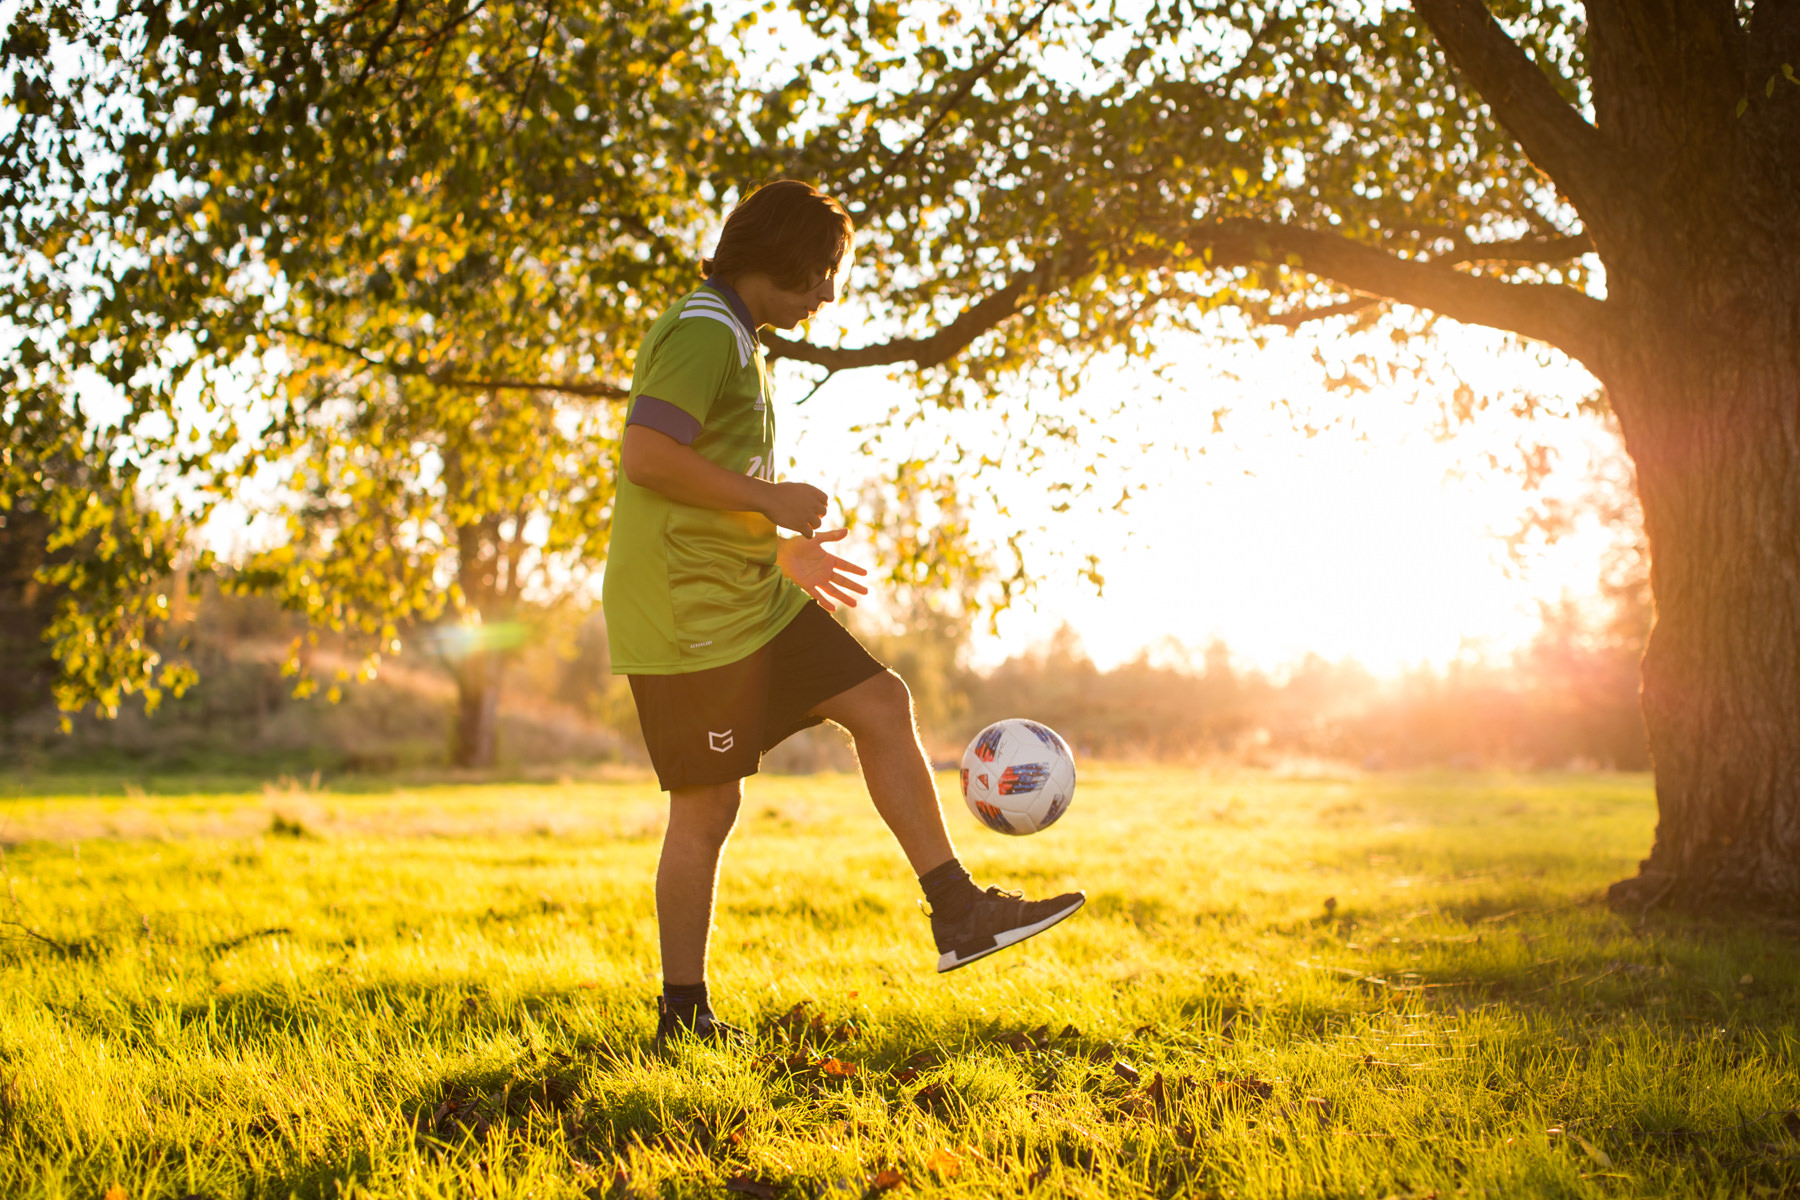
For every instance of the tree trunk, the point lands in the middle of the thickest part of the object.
(1703, 281)
(475, 736)
(1712, 421)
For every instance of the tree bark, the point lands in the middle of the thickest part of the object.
(1703, 278)
(475, 735)
(1711, 412)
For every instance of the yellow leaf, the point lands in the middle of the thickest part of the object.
(115, 1192)
(944, 1165)
(1600, 1157)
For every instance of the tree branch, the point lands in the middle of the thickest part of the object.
(941, 346)
(597, 389)
(1556, 315)
(1300, 316)
(1556, 137)
(1525, 250)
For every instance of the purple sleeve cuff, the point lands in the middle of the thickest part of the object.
(665, 418)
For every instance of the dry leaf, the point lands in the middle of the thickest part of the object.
(1156, 1092)
(1125, 1071)
(1601, 1158)
(1135, 1106)
(929, 1096)
(1038, 1176)
(944, 1165)
(749, 1185)
(886, 1180)
(834, 1066)
(115, 1192)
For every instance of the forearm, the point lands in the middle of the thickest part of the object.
(662, 464)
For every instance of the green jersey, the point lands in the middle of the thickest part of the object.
(690, 588)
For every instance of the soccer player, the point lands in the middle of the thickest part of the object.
(721, 623)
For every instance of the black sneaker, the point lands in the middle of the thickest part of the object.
(997, 919)
(705, 1028)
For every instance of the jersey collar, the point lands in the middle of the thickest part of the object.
(738, 308)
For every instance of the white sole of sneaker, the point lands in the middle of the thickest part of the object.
(1012, 937)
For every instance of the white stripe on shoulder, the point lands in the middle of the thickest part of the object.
(702, 300)
(724, 319)
(718, 311)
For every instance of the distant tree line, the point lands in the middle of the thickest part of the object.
(1568, 698)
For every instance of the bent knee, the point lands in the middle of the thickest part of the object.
(880, 700)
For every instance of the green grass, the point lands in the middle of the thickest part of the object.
(1280, 987)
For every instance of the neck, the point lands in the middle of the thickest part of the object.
(753, 291)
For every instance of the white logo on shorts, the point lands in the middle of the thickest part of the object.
(719, 741)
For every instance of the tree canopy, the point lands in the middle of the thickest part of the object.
(425, 235)
(416, 204)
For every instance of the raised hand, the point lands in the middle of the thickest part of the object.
(820, 573)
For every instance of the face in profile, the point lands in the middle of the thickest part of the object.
(790, 308)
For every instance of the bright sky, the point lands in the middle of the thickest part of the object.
(1372, 539)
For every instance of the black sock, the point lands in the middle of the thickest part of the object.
(684, 1002)
(949, 890)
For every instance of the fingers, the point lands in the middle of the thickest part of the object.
(832, 535)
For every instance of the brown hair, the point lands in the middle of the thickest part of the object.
(787, 230)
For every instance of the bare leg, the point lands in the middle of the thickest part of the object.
(700, 820)
(878, 713)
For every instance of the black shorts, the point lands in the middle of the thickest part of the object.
(712, 726)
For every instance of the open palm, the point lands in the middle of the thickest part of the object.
(820, 573)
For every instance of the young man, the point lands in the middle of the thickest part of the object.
(720, 622)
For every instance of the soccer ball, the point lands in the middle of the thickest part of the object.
(1018, 776)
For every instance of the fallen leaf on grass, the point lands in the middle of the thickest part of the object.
(750, 1185)
(1125, 1071)
(115, 1192)
(838, 1067)
(1250, 1085)
(1134, 1106)
(1601, 1158)
(886, 1180)
(944, 1164)
(929, 1096)
(906, 1074)
(1038, 1176)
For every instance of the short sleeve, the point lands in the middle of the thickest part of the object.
(688, 371)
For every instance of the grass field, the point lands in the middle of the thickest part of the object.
(1280, 987)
